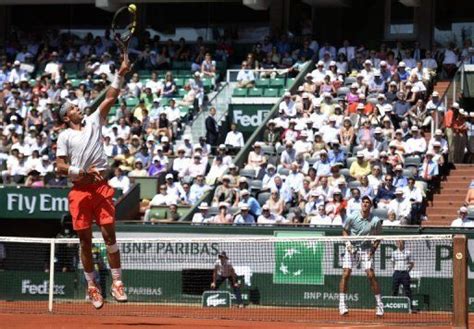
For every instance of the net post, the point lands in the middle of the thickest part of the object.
(51, 275)
(460, 295)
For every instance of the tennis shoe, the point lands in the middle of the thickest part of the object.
(95, 296)
(118, 292)
(343, 310)
(379, 309)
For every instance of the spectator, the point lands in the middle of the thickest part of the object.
(224, 192)
(360, 167)
(321, 218)
(245, 77)
(244, 217)
(234, 138)
(391, 219)
(399, 180)
(456, 128)
(251, 202)
(120, 181)
(385, 193)
(429, 170)
(462, 220)
(355, 202)
(401, 207)
(416, 144)
(138, 170)
(196, 168)
(268, 218)
(256, 157)
(201, 216)
(223, 217)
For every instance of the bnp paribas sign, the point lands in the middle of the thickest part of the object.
(22, 203)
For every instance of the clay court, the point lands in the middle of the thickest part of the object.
(132, 316)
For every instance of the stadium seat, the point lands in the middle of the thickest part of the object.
(249, 173)
(268, 149)
(408, 172)
(255, 92)
(349, 161)
(343, 91)
(263, 197)
(256, 185)
(182, 92)
(270, 92)
(352, 184)
(345, 172)
(289, 82)
(212, 211)
(277, 83)
(239, 92)
(349, 80)
(262, 83)
(179, 82)
(280, 149)
(284, 171)
(131, 101)
(412, 161)
(380, 213)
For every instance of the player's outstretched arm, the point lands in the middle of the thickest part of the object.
(114, 90)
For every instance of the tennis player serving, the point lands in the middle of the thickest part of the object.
(81, 156)
(360, 224)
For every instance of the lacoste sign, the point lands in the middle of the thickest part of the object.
(216, 299)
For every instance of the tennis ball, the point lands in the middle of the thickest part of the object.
(132, 8)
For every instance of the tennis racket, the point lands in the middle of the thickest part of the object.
(123, 26)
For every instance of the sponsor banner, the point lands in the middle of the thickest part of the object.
(216, 299)
(28, 285)
(397, 304)
(33, 203)
(248, 117)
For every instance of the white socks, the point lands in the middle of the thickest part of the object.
(90, 278)
(342, 298)
(116, 274)
(378, 299)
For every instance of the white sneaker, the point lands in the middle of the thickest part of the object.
(118, 292)
(95, 297)
(343, 310)
(379, 310)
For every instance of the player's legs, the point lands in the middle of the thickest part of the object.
(395, 283)
(346, 274)
(374, 285)
(405, 281)
(113, 256)
(93, 291)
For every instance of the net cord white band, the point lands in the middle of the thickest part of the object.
(241, 239)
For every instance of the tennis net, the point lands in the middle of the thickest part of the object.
(281, 278)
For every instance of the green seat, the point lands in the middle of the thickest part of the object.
(277, 83)
(270, 92)
(75, 82)
(179, 82)
(282, 91)
(144, 74)
(182, 92)
(158, 212)
(239, 92)
(289, 82)
(255, 92)
(262, 83)
(131, 101)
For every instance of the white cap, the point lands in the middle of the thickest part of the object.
(17, 62)
(399, 190)
(265, 207)
(354, 85)
(360, 154)
(223, 204)
(335, 141)
(463, 209)
(165, 139)
(287, 94)
(435, 94)
(381, 96)
(332, 63)
(168, 176)
(244, 192)
(326, 94)
(309, 76)
(436, 143)
(323, 151)
(439, 132)
(398, 167)
(222, 146)
(14, 117)
(455, 105)
(320, 63)
(414, 128)
(45, 158)
(203, 206)
(186, 137)
(378, 130)
(156, 158)
(360, 106)
(336, 191)
(300, 89)
(244, 206)
(383, 63)
(392, 83)
(332, 118)
(402, 64)
(368, 61)
(305, 95)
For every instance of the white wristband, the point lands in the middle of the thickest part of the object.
(117, 82)
(74, 171)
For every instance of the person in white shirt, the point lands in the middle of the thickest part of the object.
(120, 181)
(368, 71)
(181, 162)
(295, 178)
(415, 196)
(450, 60)
(172, 187)
(402, 265)
(196, 168)
(134, 87)
(201, 216)
(302, 145)
(318, 117)
(370, 153)
(321, 218)
(391, 219)
(17, 74)
(234, 138)
(330, 132)
(53, 67)
(154, 84)
(319, 73)
(268, 218)
(288, 106)
(438, 137)
(462, 220)
(347, 50)
(416, 145)
(355, 202)
(401, 206)
(245, 77)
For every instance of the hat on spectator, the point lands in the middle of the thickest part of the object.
(289, 143)
(14, 118)
(332, 118)
(300, 89)
(314, 193)
(135, 137)
(150, 138)
(222, 146)
(323, 151)
(378, 130)
(436, 144)
(463, 210)
(45, 158)
(435, 94)
(414, 128)
(383, 154)
(309, 76)
(197, 155)
(360, 106)
(360, 154)
(16, 63)
(287, 94)
(223, 205)
(169, 176)
(383, 63)
(271, 122)
(387, 108)
(165, 139)
(197, 74)
(305, 95)
(439, 132)
(242, 180)
(398, 168)
(316, 102)
(368, 61)
(156, 158)
(203, 206)
(332, 63)
(455, 105)
(398, 190)
(392, 144)
(360, 75)
(270, 166)
(159, 148)
(335, 142)
(408, 84)
(138, 160)
(226, 177)
(399, 131)
(320, 63)
(336, 191)
(265, 207)
(377, 73)
(232, 166)
(244, 206)
(354, 86)
(327, 94)
(341, 181)
(244, 192)
(381, 96)
(187, 137)
(197, 147)
(392, 83)
(402, 64)
(430, 153)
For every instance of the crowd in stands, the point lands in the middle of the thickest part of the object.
(354, 127)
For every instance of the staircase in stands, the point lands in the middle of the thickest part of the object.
(443, 210)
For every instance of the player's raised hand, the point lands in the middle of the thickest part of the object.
(125, 66)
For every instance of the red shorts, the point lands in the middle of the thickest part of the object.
(91, 202)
